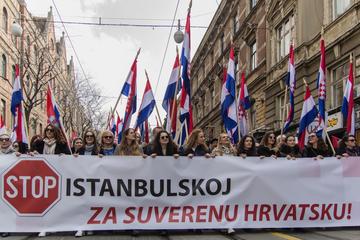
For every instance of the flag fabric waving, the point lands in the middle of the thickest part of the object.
(147, 105)
(2, 125)
(228, 98)
(129, 90)
(185, 100)
(119, 127)
(170, 96)
(307, 120)
(243, 105)
(19, 132)
(144, 131)
(348, 103)
(291, 83)
(321, 86)
(112, 125)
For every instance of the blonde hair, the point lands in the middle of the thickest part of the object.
(190, 143)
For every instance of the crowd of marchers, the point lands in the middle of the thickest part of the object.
(103, 144)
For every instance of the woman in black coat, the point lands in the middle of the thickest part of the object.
(348, 147)
(195, 145)
(267, 146)
(247, 147)
(52, 143)
(316, 148)
(290, 149)
(163, 145)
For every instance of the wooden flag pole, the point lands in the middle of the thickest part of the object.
(117, 101)
(157, 110)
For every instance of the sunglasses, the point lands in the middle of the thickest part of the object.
(164, 137)
(107, 137)
(49, 130)
(271, 137)
(351, 140)
(4, 139)
(89, 136)
(312, 136)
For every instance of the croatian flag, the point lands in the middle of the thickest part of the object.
(307, 120)
(112, 125)
(321, 86)
(291, 83)
(144, 131)
(185, 100)
(170, 96)
(2, 125)
(119, 126)
(348, 103)
(147, 105)
(19, 132)
(129, 90)
(228, 98)
(244, 104)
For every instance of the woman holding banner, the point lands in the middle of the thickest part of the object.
(316, 148)
(164, 146)
(89, 145)
(247, 147)
(128, 145)
(224, 147)
(267, 146)
(348, 147)
(290, 149)
(195, 145)
(107, 145)
(53, 142)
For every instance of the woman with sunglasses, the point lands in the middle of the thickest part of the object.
(224, 147)
(290, 149)
(107, 145)
(164, 145)
(128, 145)
(53, 142)
(247, 147)
(267, 146)
(348, 147)
(89, 144)
(195, 145)
(316, 147)
(76, 145)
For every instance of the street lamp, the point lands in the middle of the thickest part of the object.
(179, 35)
(16, 29)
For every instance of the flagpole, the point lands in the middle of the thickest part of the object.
(157, 110)
(237, 108)
(117, 101)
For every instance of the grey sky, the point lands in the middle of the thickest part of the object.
(106, 53)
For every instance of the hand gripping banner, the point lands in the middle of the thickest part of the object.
(65, 193)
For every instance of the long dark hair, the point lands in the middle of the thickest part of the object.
(58, 136)
(171, 147)
(265, 139)
(320, 144)
(133, 147)
(241, 148)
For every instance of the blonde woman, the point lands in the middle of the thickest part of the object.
(128, 145)
(224, 147)
(195, 145)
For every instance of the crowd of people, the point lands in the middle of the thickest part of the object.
(53, 142)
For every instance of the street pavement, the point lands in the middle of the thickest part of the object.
(352, 233)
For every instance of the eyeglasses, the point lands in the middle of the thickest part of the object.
(164, 137)
(49, 130)
(107, 137)
(351, 140)
(4, 139)
(271, 137)
(89, 136)
(312, 136)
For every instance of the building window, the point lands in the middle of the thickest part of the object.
(3, 66)
(339, 7)
(253, 56)
(3, 110)
(222, 43)
(5, 20)
(284, 34)
(253, 3)
(13, 74)
(338, 81)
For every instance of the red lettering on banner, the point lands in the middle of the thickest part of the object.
(94, 216)
(159, 217)
(201, 212)
(303, 210)
(148, 216)
(291, 212)
(187, 214)
(174, 213)
(128, 212)
(213, 211)
(278, 214)
(264, 212)
(227, 215)
(325, 211)
(110, 215)
(251, 212)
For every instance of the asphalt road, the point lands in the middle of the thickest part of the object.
(304, 234)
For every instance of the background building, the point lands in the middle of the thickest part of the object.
(262, 31)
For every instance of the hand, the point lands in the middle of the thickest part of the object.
(145, 156)
(288, 157)
(75, 154)
(190, 155)
(176, 156)
(261, 157)
(274, 156)
(61, 154)
(31, 154)
(243, 155)
(345, 155)
(153, 155)
(207, 155)
(319, 157)
(339, 156)
(100, 155)
(34, 153)
(17, 154)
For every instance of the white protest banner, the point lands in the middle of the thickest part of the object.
(65, 193)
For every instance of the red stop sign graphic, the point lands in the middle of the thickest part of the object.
(31, 187)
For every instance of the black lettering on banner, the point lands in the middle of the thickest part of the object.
(228, 187)
(68, 187)
(197, 186)
(183, 186)
(140, 188)
(93, 182)
(169, 193)
(122, 185)
(152, 188)
(217, 189)
(77, 185)
(106, 187)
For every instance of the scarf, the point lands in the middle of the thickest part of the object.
(49, 146)
(88, 149)
(8, 150)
